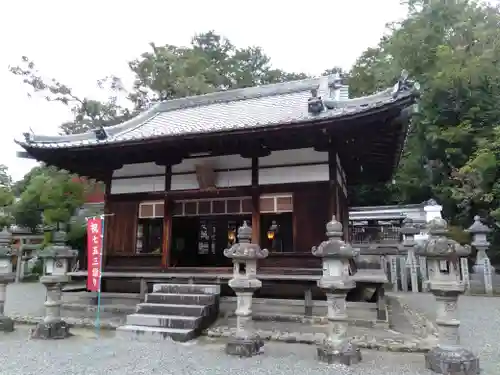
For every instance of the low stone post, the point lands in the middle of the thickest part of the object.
(448, 357)
(408, 247)
(393, 259)
(6, 277)
(483, 266)
(245, 342)
(464, 268)
(56, 263)
(336, 282)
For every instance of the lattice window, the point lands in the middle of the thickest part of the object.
(210, 207)
(276, 203)
(151, 210)
(233, 206)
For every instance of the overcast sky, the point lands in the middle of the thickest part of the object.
(80, 42)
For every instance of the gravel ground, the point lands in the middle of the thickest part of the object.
(479, 329)
(84, 354)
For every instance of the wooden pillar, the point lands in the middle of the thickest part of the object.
(106, 211)
(333, 187)
(255, 201)
(167, 220)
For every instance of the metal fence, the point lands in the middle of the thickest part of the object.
(364, 234)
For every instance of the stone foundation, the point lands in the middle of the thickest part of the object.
(6, 324)
(244, 347)
(452, 361)
(51, 330)
(346, 354)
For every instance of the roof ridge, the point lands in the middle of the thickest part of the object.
(227, 96)
(246, 93)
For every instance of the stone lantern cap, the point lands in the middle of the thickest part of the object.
(58, 249)
(439, 245)
(54, 252)
(244, 249)
(334, 247)
(6, 253)
(478, 227)
(5, 238)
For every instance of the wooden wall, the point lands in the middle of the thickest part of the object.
(310, 215)
(120, 227)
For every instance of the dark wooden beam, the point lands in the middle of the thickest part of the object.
(333, 184)
(167, 220)
(255, 201)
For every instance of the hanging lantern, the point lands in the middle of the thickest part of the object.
(231, 236)
(271, 233)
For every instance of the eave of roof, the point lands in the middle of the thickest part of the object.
(224, 112)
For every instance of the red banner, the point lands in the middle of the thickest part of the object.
(94, 253)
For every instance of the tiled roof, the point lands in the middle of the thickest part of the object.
(227, 111)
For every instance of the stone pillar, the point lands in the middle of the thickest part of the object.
(245, 342)
(448, 357)
(56, 263)
(6, 277)
(408, 247)
(336, 282)
(394, 272)
(483, 266)
(464, 267)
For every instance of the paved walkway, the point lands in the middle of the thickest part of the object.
(84, 354)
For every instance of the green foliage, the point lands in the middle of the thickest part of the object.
(6, 197)
(50, 197)
(451, 49)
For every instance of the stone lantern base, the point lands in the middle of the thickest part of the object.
(51, 330)
(52, 327)
(345, 353)
(244, 346)
(452, 361)
(6, 324)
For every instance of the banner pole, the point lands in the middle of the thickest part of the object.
(98, 314)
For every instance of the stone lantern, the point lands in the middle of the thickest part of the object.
(480, 233)
(336, 282)
(6, 277)
(409, 231)
(443, 259)
(56, 260)
(245, 342)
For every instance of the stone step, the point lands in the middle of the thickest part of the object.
(143, 333)
(181, 299)
(186, 289)
(174, 309)
(165, 321)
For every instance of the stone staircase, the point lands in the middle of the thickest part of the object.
(178, 311)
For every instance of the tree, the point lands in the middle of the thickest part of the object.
(6, 197)
(51, 197)
(88, 113)
(451, 49)
(211, 63)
